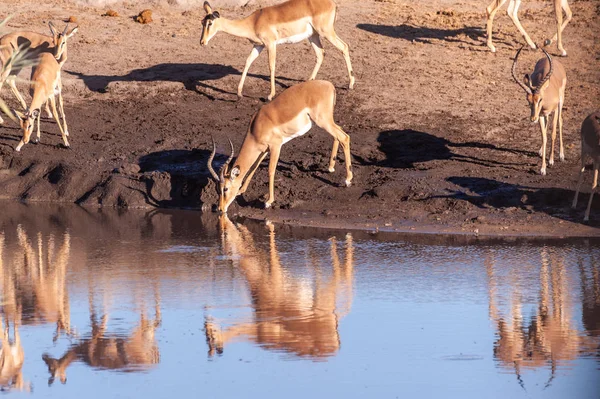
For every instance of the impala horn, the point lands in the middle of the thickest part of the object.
(226, 165)
(537, 89)
(514, 73)
(65, 31)
(210, 159)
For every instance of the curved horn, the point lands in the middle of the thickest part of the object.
(514, 73)
(210, 159)
(537, 89)
(65, 31)
(226, 164)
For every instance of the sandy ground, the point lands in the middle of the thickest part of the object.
(441, 139)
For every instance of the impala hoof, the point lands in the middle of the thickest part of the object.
(35, 141)
(491, 47)
(348, 183)
(586, 219)
(66, 132)
(547, 42)
(267, 205)
(551, 162)
(543, 171)
(331, 170)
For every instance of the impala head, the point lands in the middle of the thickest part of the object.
(228, 180)
(210, 24)
(27, 121)
(55, 368)
(535, 95)
(59, 39)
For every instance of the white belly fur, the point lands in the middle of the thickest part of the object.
(299, 133)
(299, 37)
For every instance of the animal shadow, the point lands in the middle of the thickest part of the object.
(424, 34)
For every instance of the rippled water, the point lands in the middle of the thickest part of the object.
(159, 304)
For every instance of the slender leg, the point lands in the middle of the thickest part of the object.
(512, 12)
(256, 50)
(343, 47)
(543, 126)
(561, 154)
(251, 174)
(334, 151)
(62, 112)
(574, 204)
(559, 6)
(273, 159)
(38, 136)
(48, 113)
(594, 186)
(315, 41)
(271, 49)
(13, 87)
(491, 11)
(55, 114)
(554, 123)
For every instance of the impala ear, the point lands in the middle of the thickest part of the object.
(216, 14)
(52, 28)
(207, 7)
(527, 80)
(73, 31)
(235, 172)
(19, 115)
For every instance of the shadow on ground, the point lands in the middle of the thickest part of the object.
(424, 34)
(406, 148)
(556, 202)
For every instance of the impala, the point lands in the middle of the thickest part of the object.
(33, 44)
(296, 314)
(545, 89)
(45, 85)
(289, 22)
(289, 116)
(513, 7)
(590, 146)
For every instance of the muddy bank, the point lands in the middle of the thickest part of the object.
(445, 148)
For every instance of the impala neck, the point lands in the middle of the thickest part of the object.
(248, 156)
(240, 28)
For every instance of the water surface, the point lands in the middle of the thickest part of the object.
(173, 303)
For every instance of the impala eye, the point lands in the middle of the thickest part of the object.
(225, 189)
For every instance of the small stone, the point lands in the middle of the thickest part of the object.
(72, 19)
(144, 17)
(110, 13)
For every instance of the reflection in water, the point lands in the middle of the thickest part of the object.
(295, 314)
(132, 299)
(113, 352)
(12, 355)
(549, 338)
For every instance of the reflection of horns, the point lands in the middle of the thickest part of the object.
(514, 73)
(537, 90)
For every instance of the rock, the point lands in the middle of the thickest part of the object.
(144, 17)
(128, 169)
(110, 13)
(72, 19)
(209, 195)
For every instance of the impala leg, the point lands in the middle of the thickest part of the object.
(491, 11)
(62, 112)
(256, 50)
(561, 154)
(579, 182)
(594, 186)
(559, 6)
(273, 159)
(38, 136)
(343, 47)
(512, 12)
(334, 151)
(315, 41)
(272, 58)
(543, 126)
(342, 138)
(2, 79)
(251, 174)
(554, 123)
(48, 112)
(55, 115)
(13, 87)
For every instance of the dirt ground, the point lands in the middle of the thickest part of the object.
(441, 138)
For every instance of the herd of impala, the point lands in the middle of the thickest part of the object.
(292, 113)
